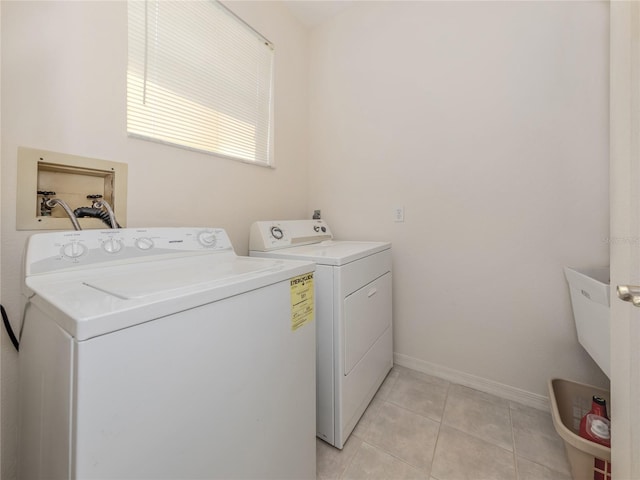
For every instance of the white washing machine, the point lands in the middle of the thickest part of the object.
(354, 327)
(160, 354)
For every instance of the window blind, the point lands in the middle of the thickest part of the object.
(200, 78)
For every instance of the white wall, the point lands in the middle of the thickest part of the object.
(63, 89)
(488, 122)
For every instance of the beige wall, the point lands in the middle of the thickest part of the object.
(63, 89)
(488, 122)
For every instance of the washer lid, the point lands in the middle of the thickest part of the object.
(329, 252)
(158, 279)
(94, 302)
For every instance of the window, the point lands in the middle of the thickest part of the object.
(200, 78)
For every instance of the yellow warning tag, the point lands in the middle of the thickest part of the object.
(301, 300)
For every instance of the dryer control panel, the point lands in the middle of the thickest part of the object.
(275, 234)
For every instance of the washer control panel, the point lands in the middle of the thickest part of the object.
(70, 249)
(276, 234)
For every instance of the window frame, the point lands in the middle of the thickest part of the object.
(234, 120)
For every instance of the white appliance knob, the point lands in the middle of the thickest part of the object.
(277, 233)
(144, 243)
(112, 245)
(73, 250)
(207, 239)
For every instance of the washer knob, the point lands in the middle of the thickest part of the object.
(277, 233)
(144, 243)
(112, 245)
(73, 250)
(207, 239)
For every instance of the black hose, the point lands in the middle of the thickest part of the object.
(94, 213)
(7, 325)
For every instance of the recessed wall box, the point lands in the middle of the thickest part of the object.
(73, 179)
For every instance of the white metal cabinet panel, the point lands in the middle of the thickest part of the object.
(94, 301)
(367, 314)
(193, 372)
(249, 414)
(325, 391)
(45, 368)
(359, 387)
(356, 274)
(355, 390)
(352, 264)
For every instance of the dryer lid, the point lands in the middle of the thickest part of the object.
(331, 252)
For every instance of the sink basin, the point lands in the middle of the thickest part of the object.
(589, 289)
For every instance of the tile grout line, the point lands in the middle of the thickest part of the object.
(382, 449)
(528, 458)
(413, 411)
(435, 447)
(366, 428)
(391, 454)
(341, 475)
(386, 399)
(478, 436)
(513, 442)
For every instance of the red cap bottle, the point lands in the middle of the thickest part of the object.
(595, 425)
(599, 407)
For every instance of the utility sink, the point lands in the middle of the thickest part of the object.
(589, 289)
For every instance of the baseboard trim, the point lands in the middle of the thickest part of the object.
(482, 384)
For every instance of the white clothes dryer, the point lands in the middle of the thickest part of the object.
(158, 353)
(354, 316)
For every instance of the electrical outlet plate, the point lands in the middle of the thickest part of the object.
(72, 178)
(398, 214)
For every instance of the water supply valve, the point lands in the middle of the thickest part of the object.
(45, 210)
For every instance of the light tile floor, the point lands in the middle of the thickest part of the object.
(421, 427)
